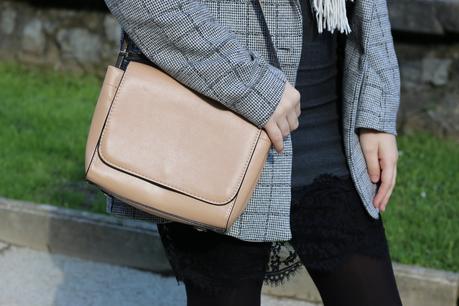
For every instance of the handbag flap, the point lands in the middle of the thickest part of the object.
(162, 131)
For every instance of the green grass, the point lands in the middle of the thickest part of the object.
(422, 217)
(44, 118)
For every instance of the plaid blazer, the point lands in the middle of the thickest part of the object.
(218, 48)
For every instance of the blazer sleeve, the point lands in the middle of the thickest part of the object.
(186, 41)
(380, 97)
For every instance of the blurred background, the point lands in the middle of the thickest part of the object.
(53, 55)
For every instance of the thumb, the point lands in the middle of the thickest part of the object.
(372, 160)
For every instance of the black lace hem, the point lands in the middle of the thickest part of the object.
(281, 269)
(211, 261)
(329, 223)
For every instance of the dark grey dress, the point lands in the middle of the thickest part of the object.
(317, 143)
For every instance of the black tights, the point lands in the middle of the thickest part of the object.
(246, 294)
(361, 281)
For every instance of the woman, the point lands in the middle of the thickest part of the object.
(332, 166)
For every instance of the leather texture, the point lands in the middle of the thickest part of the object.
(170, 151)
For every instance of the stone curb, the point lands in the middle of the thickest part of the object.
(82, 234)
(137, 244)
(418, 286)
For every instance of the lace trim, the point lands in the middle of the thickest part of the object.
(208, 274)
(329, 223)
(281, 268)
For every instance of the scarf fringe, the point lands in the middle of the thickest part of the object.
(331, 15)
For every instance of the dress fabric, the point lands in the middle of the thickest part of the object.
(328, 219)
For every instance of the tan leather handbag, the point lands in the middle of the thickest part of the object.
(170, 151)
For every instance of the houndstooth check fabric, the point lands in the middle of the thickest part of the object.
(217, 47)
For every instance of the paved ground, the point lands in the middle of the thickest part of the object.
(31, 278)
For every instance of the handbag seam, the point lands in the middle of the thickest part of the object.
(191, 221)
(113, 165)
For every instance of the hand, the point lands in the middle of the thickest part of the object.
(285, 117)
(381, 155)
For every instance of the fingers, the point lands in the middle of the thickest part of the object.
(284, 126)
(275, 134)
(280, 129)
(389, 193)
(292, 119)
(389, 156)
(285, 117)
(387, 182)
(370, 152)
(380, 152)
(372, 159)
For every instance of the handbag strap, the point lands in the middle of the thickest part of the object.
(268, 38)
(261, 18)
(123, 50)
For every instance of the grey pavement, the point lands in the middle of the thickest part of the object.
(33, 278)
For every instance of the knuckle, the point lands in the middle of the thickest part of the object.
(296, 125)
(291, 104)
(369, 148)
(296, 94)
(390, 160)
(277, 138)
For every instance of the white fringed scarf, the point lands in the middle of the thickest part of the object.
(331, 15)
